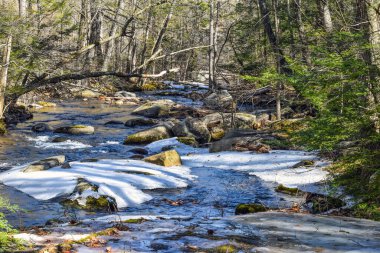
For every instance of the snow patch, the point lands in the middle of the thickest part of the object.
(123, 180)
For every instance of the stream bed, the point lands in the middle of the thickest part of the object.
(174, 220)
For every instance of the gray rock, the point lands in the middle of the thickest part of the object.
(155, 109)
(41, 127)
(139, 122)
(45, 164)
(125, 94)
(199, 130)
(148, 136)
(59, 139)
(219, 100)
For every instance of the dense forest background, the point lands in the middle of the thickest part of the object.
(323, 54)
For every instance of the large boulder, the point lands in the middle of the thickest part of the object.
(219, 100)
(75, 130)
(242, 140)
(154, 109)
(41, 127)
(148, 136)
(168, 158)
(228, 120)
(192, 128)
(45, 164)
(198, 129)
(139, 122)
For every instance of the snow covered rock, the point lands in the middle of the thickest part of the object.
(168, 158)
(122, 180)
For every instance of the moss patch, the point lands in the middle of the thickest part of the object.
(224, 249)
(249, 208)
(135, 221)
(3, 128)
(288, 190)
(191, 141)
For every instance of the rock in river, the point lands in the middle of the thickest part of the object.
(154, 109)
(168, 158)
(45, 164)
(76, 130)
(41, 127)
(140, 122)
(148, 136)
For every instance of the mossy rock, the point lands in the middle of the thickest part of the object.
(149, 87)
(3, 127)
(46, 104)
(288, 190)
(135, 221)
(304, 163)
(148, 136)
(191, 141)
(217, 134)
(102, 203)
(154, 109)
(321, 203)
(249, 208)
(76, 130)
(224, 249)
(167, 159)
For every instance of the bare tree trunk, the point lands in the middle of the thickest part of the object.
(22, 6)
(109, 46)
(213, 33)
(324, 9)
(96, 55)
(374, 39)
(301, 34)
(4, 73)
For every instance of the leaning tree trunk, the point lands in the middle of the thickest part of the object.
(4, 73)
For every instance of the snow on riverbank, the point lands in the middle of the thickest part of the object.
(124, 180)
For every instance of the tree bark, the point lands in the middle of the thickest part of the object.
(324, 9)
(4, 73)
(282, 64)
(301, 34)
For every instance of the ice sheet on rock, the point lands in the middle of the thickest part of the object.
(43, 142)
(123, 180)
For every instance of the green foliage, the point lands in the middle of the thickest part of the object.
(7, 242)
